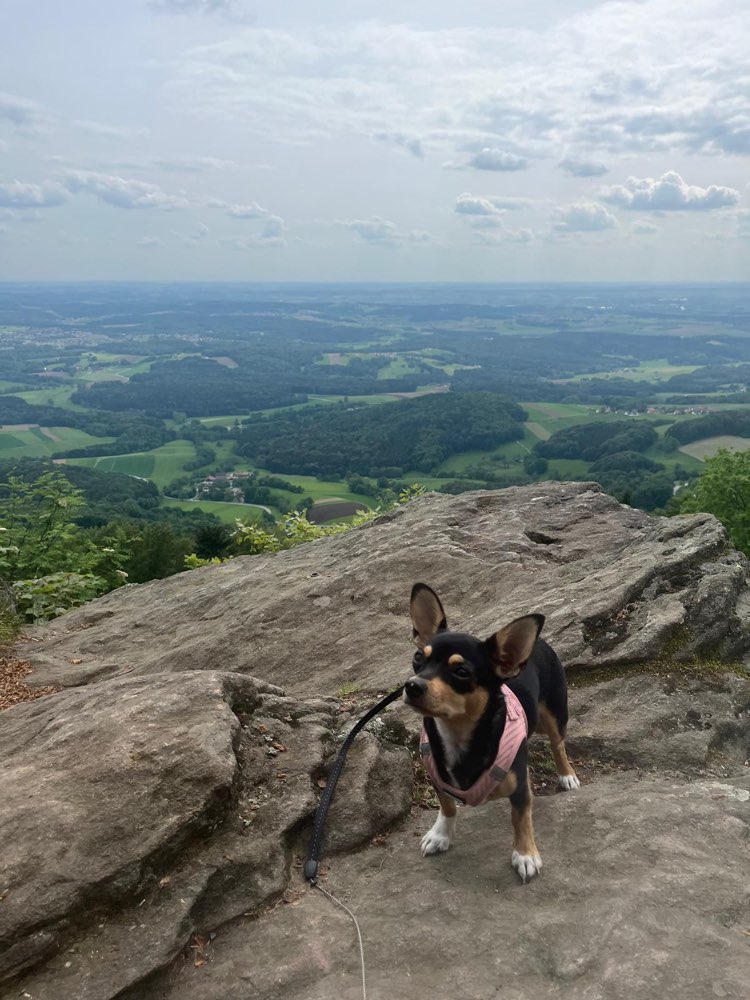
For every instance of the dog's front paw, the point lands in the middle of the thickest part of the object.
(568, 782)
(527, 865)
(439, 837)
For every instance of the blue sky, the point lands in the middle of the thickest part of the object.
(233, 140)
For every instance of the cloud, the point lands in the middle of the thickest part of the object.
(261, 241)
(420, 236)
(125, 132)
(512, 204)
(582, 217)
(524, 93)
(17, 194)
(472, 204)
(251, 211)
(644, 228)
(668, 193)
(743, 224)
(503, 237)
(149, 242)
(192, 164)
(192, 6)
(496, 159)
(375, 230)
(408, 142)
(121, 193)
(3, 147)
(582, 168)
(18, 111)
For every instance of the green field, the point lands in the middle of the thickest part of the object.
(707, 447)
(658, 370)
(161, 465)
(227, 512)
(54, 395)
(41, 442)
(398, 367)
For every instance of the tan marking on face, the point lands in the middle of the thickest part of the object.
(455, 660)
(427, 651)
(459, 712)
(442, 701)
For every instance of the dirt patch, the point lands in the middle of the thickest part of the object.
(13, 691)
(18, 427)
(319, 513)
(49, 434)
(538, 431)
(225, 361)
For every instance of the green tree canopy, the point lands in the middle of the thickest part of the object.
(724, 490)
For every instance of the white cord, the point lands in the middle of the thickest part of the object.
(359, 934)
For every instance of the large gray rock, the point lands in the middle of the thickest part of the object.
(139, 811)
(618, 588)
(152, 814)
(643, 896)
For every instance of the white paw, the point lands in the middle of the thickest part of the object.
(527, 865)
(439, 837)
(568, 782)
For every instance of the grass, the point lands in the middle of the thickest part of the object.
(227, 512)
(657, 370)
(398, 367)
(58, 395)
(34, 443)
(161, 465)
(707, 447)
(317, 489)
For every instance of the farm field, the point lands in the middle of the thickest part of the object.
(227, 512)
(41, 442)
(54, 395)
(709, 446)
(161, 465)
(658, 370)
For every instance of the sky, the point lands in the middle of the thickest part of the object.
(487, 140)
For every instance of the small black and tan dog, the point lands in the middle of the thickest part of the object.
(480, 701)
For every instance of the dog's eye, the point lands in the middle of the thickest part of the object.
(418, 660)
(461, 672)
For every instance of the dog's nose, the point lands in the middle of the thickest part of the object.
(415, 688)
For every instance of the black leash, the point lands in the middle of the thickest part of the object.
(316, 842)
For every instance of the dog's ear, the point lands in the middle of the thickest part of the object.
(427, 614)
(510, 648)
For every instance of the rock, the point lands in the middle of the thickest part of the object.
(140, 811)
(618, 588)
(154, 812)
(643, 894)
(678, 725)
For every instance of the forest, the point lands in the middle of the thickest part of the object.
(414, 434)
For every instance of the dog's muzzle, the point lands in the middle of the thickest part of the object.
(414, 690)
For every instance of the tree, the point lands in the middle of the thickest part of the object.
(47, 562)
(724, 490)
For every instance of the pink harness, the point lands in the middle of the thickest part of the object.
(515, 732)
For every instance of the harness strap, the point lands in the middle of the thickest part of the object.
(514, 732)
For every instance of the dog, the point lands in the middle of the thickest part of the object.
(480, 701)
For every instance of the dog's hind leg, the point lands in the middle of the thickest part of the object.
(440, 835)
(525, 857)
(566, 776)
